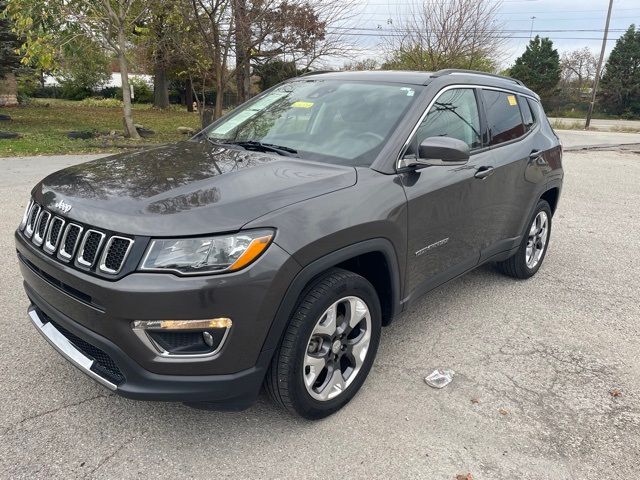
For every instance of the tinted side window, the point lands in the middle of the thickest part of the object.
(455, 115)
(527, 114)
(503, 116)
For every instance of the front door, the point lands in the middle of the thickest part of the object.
(445, 202)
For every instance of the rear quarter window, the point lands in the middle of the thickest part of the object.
(504, 119)
(528, 116)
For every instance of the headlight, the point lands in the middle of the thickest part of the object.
(191, 256)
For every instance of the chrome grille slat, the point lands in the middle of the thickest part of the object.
(89, 249)
(53, 235)
(25, 216)
(41, 227)
(31, 223)
(69, 242)
(85, 247)
(115, 254)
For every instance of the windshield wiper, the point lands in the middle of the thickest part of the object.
(265, 147)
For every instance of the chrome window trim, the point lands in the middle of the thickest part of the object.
(405, 145)
(48, 246)
(62, 253)
(28, 232)
(80, 256)
(146, 339)
(25, 215)
(102, 267)
(37, 239)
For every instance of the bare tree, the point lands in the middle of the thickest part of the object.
(364, 64)
(215, 23)
(435, 34)
(578, 68)
(296, 31)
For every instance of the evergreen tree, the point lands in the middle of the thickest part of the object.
(539, 67)
(620, 85)
(9, 59)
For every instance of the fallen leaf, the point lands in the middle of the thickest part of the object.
(503, 411)
(475, 400)
(462, 476)
(615, 392)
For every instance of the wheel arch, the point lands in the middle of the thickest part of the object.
(551, 196)
(357, 258)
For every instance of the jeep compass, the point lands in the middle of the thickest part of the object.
(271, 248)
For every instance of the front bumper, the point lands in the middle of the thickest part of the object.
(228, 392)
(67, 304)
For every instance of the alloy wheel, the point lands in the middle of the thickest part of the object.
(337, 348)
(537, 241)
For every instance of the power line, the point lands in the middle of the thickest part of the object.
(573, 18)
(506, 37)
(563, 30)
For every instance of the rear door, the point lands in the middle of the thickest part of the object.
(510, 126)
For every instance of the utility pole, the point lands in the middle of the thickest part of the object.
(598, 68)
(533, 19)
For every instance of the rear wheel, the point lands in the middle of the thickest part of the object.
(328, 347)
(528, 259)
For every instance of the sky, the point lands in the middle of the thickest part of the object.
(571, 24)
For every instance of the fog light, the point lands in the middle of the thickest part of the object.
(183, 338)
(183, 324)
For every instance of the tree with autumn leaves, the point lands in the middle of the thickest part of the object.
(202, 42)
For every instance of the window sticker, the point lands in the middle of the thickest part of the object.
(301, 104)
(410, 91)
(512, 100)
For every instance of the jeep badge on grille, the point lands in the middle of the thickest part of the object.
(62, 206)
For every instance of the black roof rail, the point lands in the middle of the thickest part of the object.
(448, 71)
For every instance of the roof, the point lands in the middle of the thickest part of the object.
(424, 78)
(411, 77)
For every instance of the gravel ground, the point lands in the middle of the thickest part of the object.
(536, 364)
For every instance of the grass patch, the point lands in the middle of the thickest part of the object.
(624, 129)
(558, 124)
(44, 125)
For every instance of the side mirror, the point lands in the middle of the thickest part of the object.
(440, 151)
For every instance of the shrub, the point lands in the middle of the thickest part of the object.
(111, 92)
(70, 90)
(101, 102)
(141, 90)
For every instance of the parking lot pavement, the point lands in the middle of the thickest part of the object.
(538, 366)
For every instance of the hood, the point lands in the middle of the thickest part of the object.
(189, 188)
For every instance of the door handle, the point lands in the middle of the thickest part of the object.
(535, 154)
(484, 172)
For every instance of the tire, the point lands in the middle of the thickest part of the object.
(308, 376)
(521, 264)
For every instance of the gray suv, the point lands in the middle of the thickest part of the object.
(271, 248)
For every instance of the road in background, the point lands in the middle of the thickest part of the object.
(600, 124)
(547, 382)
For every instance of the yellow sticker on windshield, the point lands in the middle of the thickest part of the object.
(512, 100)
(301, 104)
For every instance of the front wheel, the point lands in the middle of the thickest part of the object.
(328, 347)
(528, 259)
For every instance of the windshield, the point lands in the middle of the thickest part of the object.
(323, 120)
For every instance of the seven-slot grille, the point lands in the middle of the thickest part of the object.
(70, 241)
